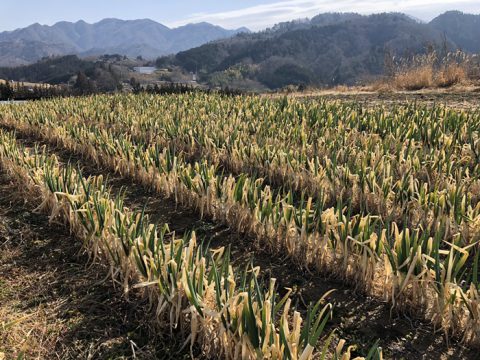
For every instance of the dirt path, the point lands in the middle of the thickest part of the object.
(358, 319)
(53, 307)
(460, 99)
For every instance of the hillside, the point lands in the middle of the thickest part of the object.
(462, 29)
(24, 52)
(329, 49)
(52, 71)
(133, 38)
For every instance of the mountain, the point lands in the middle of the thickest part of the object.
(319, 20)
(50, 70)
(326, 50)
(333, 18)
(133, 38)
(329, 49)
(24, 52)
(462, 29)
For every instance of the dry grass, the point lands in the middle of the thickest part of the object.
(28, 334)
(423, 77)
(27, 328)
(431, 71)
(415, 79)
(55, 307)
(452, 74)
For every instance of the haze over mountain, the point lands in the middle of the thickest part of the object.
(133, 38)
(329, 49)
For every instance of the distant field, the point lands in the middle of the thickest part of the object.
(230, 219)
(458, 97)
(26, 83)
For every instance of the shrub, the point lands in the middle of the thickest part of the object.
(415, 79)
(451, 75)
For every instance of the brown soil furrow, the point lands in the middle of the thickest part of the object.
(55, 306)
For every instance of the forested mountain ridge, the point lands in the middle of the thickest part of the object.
(329, 49)
(133, 38)
(462, 29)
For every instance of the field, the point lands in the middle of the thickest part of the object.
(142, 226)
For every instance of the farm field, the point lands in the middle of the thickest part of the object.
(460, 98)
(226, 222)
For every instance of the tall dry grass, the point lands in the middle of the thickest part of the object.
(431, 71)
(451, 75)
(414, 79)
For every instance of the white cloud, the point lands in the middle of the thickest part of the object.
(262, 16)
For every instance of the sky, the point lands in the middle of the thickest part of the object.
(254, 14)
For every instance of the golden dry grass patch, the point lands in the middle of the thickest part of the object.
(415, 79)
(27, 329)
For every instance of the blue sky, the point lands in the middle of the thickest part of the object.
(255, 14)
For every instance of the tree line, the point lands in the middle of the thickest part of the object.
(83, 86)
(20, 91)
(181, 88)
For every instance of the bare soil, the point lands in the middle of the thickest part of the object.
(54, 305)
(461, 98)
